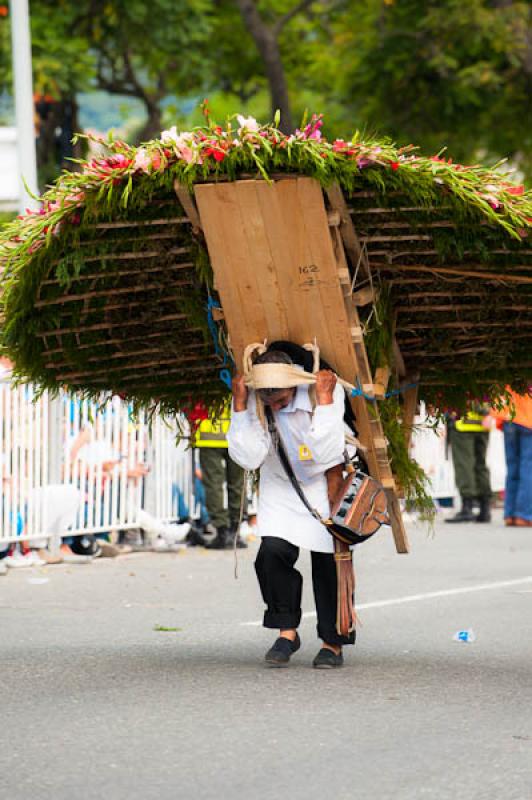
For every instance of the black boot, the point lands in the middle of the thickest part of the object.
(194, 537)
(484, 514)
(219, 541)
(230, 539)
(466, 513)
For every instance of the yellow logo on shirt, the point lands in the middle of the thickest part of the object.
(304, 453)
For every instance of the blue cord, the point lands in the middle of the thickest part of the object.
(401, 390)
(225, 375)
(357, 392)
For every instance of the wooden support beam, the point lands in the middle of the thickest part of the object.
(368, 421)
(410, 399)
(189, 206)
(382, 376)
(104, 325)
(499, 277)
(398, 359)
(139, 223)
(364, 296)
(353, 248)
(127, 290)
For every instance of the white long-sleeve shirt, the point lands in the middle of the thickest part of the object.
(315, 441)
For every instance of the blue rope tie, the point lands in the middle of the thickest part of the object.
(401, 390)
(224, 374)
(357, 392)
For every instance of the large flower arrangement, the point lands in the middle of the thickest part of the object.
(122, 180)
(244, 146)
(46, 251)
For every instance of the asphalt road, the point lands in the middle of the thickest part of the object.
(95, 703)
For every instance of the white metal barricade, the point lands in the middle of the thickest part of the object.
(430, 451)
(170, 485)
(70, 466)
(23, 459)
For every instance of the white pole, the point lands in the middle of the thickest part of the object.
(23, 85)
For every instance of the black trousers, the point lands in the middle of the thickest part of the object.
(281, 586)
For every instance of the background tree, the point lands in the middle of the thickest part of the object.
(147, 50)
(441, 73)
(447, 73)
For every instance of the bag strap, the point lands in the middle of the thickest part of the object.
(280, 449)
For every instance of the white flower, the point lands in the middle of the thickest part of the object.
(247, 124)
(170, 136)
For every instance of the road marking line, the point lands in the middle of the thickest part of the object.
(413, 598)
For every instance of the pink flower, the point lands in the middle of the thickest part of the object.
(339, 145)
(493, 201)
(119, 161)
(312, 130)
(35, 245)
(78, 196)
(107, 165)
(142, 161)
(187, 154)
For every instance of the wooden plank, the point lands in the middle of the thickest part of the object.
(231, 259)
(189, 206)
(327, 292)
(267, 284)
(370, 428)
(364, 296)
(382, 376)
(398, 359)
(500, 277)
(409, 411)
(276, 262)
(296, 275)
(394, 511)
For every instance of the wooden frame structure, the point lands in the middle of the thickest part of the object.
(283, 267)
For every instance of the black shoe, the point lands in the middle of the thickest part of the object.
(194, 537)
(219, 541)
(230, 540)
(326, 659)
(484, 514)
(85, 546)
(279, 655)
(466, 513)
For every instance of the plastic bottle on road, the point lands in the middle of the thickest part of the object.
(465, 636)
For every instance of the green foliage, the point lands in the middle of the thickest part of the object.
(448, 74)
(49, 254)
(413, 482)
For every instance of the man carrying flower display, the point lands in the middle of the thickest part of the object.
(313, 438)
